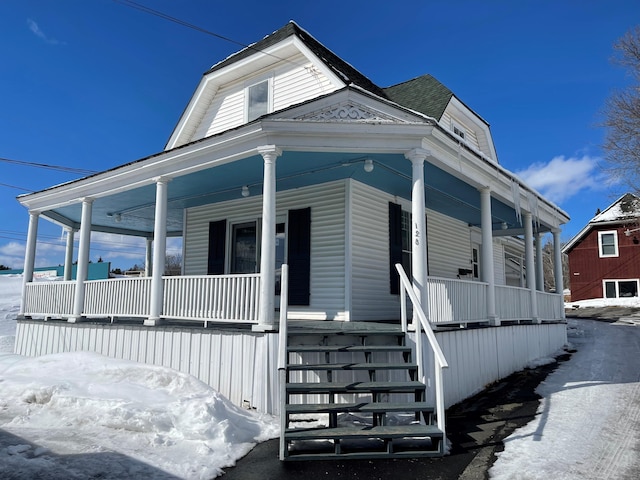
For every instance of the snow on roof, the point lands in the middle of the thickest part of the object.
(626, 207)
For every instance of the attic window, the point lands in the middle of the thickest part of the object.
(257, 100)
(458, 129)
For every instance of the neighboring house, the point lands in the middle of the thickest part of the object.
(95, 271)
(288, 158)
(604, 257)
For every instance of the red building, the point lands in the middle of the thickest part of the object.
(604, 257)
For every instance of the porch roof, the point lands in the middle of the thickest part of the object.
(216, 168)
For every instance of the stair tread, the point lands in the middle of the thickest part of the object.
(360, 455)
(380, 431)
(353, 366)
(348, 348)
(345, 333)
(375, 407)
(317, 387)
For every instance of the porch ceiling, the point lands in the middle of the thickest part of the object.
(132, 211)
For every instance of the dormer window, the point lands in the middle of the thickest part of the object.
(458, 129)
(257, 100)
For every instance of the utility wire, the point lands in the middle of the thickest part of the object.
(59, 168)
(157, 13)
(16, 187)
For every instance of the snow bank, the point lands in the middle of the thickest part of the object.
(155, 415)
(10, 292)
(82, 415)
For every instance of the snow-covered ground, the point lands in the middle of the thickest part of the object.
(588, 423)
(81, 415)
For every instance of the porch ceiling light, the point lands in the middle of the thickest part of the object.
(245, 191)
(368, 165)
(504, 226)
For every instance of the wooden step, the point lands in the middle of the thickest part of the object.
(412, 367)
(354, 387)
(348, 348)
(383, 432)
(365, 407)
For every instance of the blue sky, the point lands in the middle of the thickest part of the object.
(92, 84)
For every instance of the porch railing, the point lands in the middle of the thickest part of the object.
(118, 297)
(424, 324)
(550, 306)
(228, 298)
(457, 301)
(217, 297)
(49, 299)
(513, 303)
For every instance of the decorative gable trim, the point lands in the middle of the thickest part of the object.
(348, 111)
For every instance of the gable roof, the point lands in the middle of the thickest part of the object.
(341, 68)
(624, 210)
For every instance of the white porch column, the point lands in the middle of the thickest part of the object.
(29, 256)
(419, 227)
(68, 255)
(530, 264)
(557, 265)
(83, 260)
(268, 241)
(487, 270)
(539, 263)
(148, 260)
(159, 251)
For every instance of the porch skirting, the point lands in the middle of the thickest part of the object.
(241, 364)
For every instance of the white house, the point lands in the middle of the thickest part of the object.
(287, 155)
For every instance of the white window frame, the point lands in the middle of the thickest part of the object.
(601, 254)
(253, 83)
(617, 284)
(461, 130)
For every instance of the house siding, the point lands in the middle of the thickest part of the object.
(448, 244)
(587, 270)
(371, 297)
(293, 82)
(327, 205)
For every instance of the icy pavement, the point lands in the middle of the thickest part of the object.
(588, 423)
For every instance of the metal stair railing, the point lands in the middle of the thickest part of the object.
(282, 355)
(407, 289)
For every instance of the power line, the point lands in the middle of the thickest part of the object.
(157, 13)
(16, 187)
(59, 168)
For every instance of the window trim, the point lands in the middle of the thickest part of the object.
(601, 254)
(257, 81)
(461, 129)
(617, 285)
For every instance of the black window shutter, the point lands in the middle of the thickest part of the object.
(299, 256)
(217, 238)
(395, 246)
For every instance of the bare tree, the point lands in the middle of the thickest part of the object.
(173, 264)
(548, 269)
(622, 115)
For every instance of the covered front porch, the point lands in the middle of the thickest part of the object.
(206, 299)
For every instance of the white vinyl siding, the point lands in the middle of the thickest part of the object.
(327, 241)
(448, 244)
(294, 82)
(371, 296)
(470, 137)
(498, 263)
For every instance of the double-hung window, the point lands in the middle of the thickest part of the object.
(258, 99)
(608, 244)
